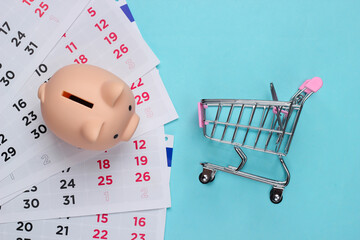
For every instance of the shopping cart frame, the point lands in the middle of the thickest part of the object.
(282, 126)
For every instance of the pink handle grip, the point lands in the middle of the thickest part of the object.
(201, 113)
(312, 85)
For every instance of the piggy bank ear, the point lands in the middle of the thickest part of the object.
(111, 91)
(130, 128)
(41, 92)
(90, 130)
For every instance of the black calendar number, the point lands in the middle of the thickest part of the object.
(69, 199)
(9, 75)
(24, 226)
(28, 203)
(2, 139)
(11, 152)
(38, 131)
(19, 105)
(17, 41)
(62, 230)
(23, 239)
(32, 189)
(31, 48)
(65, 184)
(41, 69)
(5, 28)
(31, 116)
(66, 170)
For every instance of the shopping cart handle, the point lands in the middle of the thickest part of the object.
(201, 114)
(311, 85)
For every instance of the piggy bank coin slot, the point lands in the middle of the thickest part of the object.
(77, 99)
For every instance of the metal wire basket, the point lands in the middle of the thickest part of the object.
(260, 125)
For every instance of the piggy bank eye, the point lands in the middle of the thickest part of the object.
(130, 107)
(116, 136)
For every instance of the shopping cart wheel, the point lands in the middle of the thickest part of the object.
(206, 176)
(276, 195)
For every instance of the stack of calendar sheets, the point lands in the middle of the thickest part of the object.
(49, 189)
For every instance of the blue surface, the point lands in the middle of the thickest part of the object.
(234, 49)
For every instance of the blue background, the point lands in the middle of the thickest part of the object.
(234, 49)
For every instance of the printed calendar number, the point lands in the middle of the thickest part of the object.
(141, 144)
(2, 139)
(71, 47)
(24, 226)
(81, 59)
(31, 116)
(41, 69)
(17, 41)
(105, 180)
(67, 184)
(139, 222)
(144, 97)
(100, 234)
(41, 129)
(31, 203)
(23, 239)
(111, 38)
(43, 7)
(32, 189)
(137, 84)
(119, 52)
(102, 25)
(91, 12)
(11, 152)
(31, 48)
(69, 200)
(5, 28)
(9, 75)
(104, 164)
(103, 218)
(21, 104)
(141, 160)
(62, 230)
(140, 236)
(28, 2)
(143, 177)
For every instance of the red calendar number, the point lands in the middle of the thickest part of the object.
(140, 236)
(143, 177)
(103, 234)
(139, 221)
(102, 25)
(143, 98)
(111, 38)
(137, 84)
(82, 59)
(139, 144)
(102, 218)
(104, 163)
(70, 47)
(43, 8)
(122, 50)
(91, 12)
(107, 180)
(141, 160)
(28, 2)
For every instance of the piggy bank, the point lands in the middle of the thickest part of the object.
(88, 107)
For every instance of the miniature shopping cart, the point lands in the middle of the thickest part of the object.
(266, 126)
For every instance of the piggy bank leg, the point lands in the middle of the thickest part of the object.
(130, 128)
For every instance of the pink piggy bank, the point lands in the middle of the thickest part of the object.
(88, 107)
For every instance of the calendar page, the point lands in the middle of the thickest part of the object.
(29, 29)
(130, 177)
(141, 225)
(25, 106)
(148, 224)
(52, 155)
